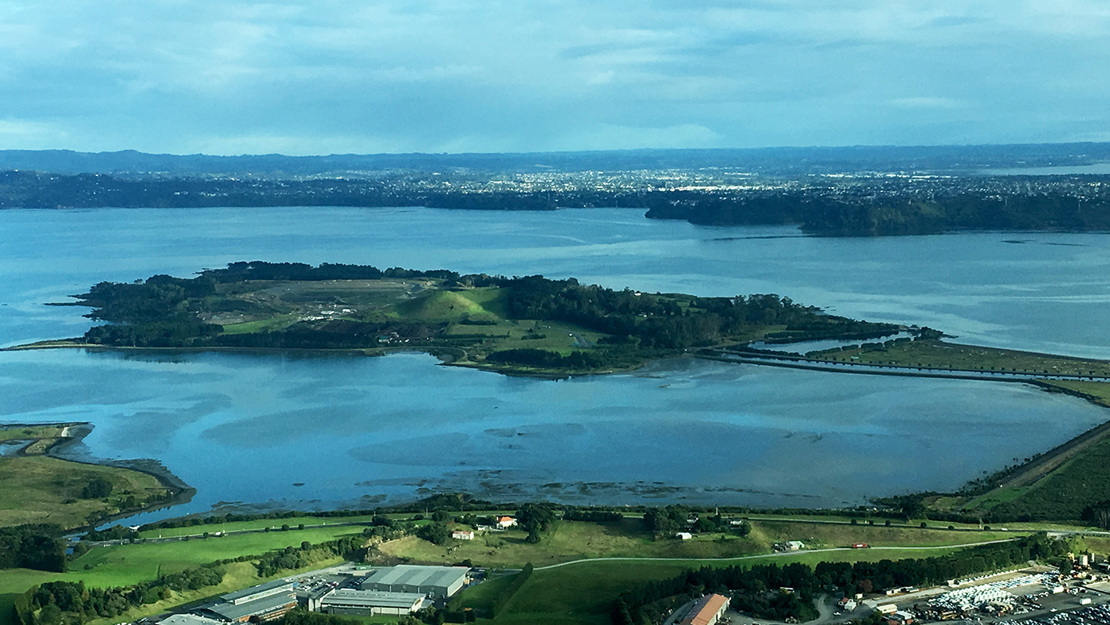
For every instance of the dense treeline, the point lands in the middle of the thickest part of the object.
(756, 589)
(115, 532)
(590, 515)
(669, 322)
(261, 270)
(301, 616)
(32, 546)
(349, 547)
(666, 521)
(547, 359)
(54, 603)
(339, 334)
(878, 211)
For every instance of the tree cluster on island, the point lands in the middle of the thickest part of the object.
(164, 311)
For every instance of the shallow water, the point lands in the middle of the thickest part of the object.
(354, 430)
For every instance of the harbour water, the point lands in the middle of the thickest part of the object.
(324, 431)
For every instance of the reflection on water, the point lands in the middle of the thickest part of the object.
(357, 430)
(354, 430)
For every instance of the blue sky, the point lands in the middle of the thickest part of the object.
(233, 77)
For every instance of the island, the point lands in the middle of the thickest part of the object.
(521, 325)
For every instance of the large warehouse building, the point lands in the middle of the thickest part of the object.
(348, 601)
(264, 603)
(432, 581)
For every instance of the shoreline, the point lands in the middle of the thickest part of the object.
(76, 431)
(371, 352)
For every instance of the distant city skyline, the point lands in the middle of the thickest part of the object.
(242, 77)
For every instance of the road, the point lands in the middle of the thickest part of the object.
(170, 539)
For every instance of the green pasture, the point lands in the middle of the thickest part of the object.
(443, 306)
(260, 325)
(941, 354)
(29, 432)
(1100, 391)
(40, 489)
(572, 540)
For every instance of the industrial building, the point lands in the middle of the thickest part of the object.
(438, 582)
(706, 611)
(351, 602)
(188, 619)
(276, 587)
(266, 602)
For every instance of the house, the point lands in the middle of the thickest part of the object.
(505, 522)
(706, 611)
(463, 534)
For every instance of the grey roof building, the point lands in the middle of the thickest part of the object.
(188, 619)
(275, 587)
(432, 581)
(370, 602)
(267, 608)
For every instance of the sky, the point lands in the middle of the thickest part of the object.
(346, 76)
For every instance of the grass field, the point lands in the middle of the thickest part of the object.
(39, 489)
(570, 540)
(1099, 392)
(28, 432)
(941, 354)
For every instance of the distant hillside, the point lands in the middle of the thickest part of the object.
(756, 160)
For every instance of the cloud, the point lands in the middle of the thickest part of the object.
(241, 75)
(31, 134)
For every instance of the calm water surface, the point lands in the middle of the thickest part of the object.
(246, 428)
